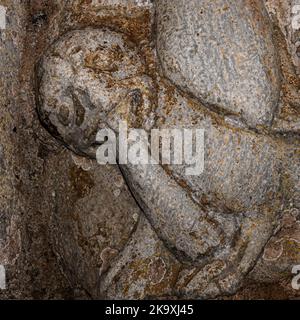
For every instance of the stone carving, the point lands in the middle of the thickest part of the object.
(225, 80)
(221, 52)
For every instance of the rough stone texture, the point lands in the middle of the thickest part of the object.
(11, 49)
(76, 230)
(287, 40)
(11, 46)
(222, 53)
(215, 223)
(282, 12)
(92, 219)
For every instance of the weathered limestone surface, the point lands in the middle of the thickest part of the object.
(284, 12)
(287, 39)
(221, 52)
(123, 231)
(30, 266)
(218, 222)
(11, 46)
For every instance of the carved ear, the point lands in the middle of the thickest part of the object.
(221, 53)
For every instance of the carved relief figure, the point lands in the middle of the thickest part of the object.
(218, 69)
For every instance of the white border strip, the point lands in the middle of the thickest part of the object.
(2, 17)
(2, 278)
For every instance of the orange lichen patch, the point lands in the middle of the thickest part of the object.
(286, 243)
(291, 249)
(157, 270)
(170, 100)
(166, 285)
(135, 22)
(290, 110)
(197, 279)
(99, 61)
(256, 8)
(157, 273)
(185, 277)
(137, 270)
(287, 68)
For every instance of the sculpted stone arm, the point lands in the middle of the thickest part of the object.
(218, 221)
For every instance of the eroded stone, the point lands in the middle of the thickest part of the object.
(222, 53)
(226, 214)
